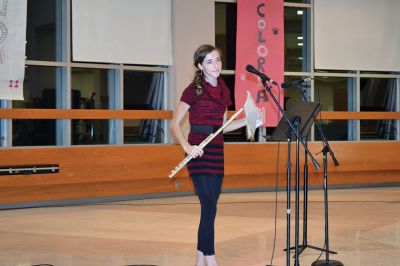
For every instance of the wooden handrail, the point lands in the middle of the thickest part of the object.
(19, 113)
(342, 115)
(24, 113)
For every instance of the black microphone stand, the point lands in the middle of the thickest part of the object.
(305, 212)
(325, 150)
(305, 244)
(297, 200)
(293, 130)
(288, 189)
(296, 122)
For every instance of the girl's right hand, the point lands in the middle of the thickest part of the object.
(194, 151)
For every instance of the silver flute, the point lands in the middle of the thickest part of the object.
(204, 143)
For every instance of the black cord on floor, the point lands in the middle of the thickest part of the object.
(276, 189)
(276, 205)
(322, 252)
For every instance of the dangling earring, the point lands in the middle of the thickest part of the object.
(201, 72)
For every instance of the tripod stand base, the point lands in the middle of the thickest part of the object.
(304, 246)
(327, 263)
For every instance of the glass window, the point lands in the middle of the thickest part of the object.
(143, 90)
(89, 91)
(143, 131)
(334, 71)
(378, 95)
(378, 129)
(43, 30)
(39, 92)
(89, 88)
(297, 39)
(377, 72)
(33, 132)
(225, 33)
(334, 94)
(89, 131)
(298, 1)
(39, 88)
(298, 92)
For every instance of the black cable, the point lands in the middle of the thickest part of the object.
(276, 203)
(322, 251)
(276, 188)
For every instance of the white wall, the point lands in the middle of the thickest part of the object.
(192, 25)
(357, 35)
(122, 31)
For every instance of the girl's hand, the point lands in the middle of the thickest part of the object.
(194, 151)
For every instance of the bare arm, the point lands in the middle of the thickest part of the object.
(238, 123)
(180, 112)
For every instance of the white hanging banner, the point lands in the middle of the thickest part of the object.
(12, 48)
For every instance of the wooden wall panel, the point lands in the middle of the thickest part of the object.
(100, 171)
(31, 113)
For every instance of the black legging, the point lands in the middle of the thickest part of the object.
(208, 188)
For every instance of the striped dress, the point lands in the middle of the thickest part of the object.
(207, 109)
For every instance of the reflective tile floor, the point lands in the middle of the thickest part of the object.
(364, 228)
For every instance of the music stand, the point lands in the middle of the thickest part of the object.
(302, 116)
(306, 110)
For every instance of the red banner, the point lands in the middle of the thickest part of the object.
(260, 43)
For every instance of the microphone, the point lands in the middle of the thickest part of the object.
(251, 69)
(295, 83)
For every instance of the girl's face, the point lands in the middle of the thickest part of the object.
(211, 65)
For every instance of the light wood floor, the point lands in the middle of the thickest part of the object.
(364, 230)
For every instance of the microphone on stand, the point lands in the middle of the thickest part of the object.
(251, 69)
(295, 83)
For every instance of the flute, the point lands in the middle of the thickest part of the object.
(204, 143)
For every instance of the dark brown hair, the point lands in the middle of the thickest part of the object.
(198, 58)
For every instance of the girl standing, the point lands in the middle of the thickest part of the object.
(206, 99)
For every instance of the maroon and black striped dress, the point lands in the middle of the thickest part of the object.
(207, 109)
